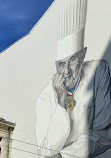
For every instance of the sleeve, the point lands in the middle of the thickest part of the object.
(98, 138)
(52, 126)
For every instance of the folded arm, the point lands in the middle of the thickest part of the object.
(52, 127)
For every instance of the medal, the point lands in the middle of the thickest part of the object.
(72, 103)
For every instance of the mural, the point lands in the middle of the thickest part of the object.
(74, 110)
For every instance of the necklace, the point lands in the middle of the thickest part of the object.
(72, 103)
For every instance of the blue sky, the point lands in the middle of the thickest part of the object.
(17, 17)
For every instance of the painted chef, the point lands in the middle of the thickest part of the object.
(74, 111)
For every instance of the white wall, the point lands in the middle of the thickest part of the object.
(28, 65)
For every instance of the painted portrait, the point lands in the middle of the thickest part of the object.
(74, 110)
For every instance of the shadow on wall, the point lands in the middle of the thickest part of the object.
(99, 113)
(107, 54)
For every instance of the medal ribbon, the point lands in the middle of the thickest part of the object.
(70, 92)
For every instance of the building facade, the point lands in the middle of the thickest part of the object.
(28, 65)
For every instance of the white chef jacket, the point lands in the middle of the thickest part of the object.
(83, 131)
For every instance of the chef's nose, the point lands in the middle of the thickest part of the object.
(67, 68)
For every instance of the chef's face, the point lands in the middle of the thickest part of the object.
(70, 68)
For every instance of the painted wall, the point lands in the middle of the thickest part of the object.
(28, 65)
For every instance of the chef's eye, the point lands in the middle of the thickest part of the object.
(61, 64)
(73, 61)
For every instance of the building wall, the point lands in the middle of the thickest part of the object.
(28, 65)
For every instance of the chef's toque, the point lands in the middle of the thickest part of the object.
(71, 26)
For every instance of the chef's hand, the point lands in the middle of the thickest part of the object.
(60, 88)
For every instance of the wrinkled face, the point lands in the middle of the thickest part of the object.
(70, 68)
